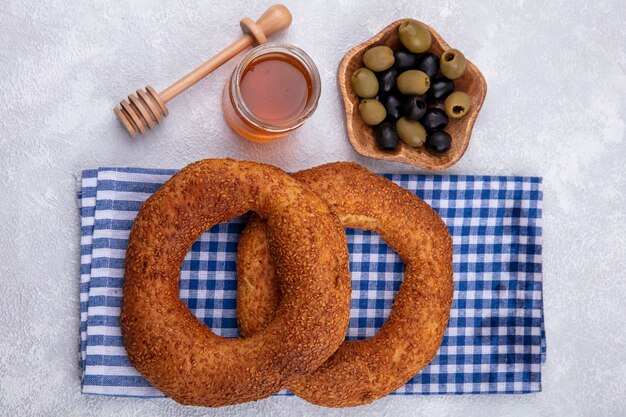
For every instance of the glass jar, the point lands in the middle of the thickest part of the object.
(255, 126)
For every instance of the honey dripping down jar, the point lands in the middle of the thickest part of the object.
(272, 91)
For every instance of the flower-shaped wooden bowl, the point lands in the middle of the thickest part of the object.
(361, 135)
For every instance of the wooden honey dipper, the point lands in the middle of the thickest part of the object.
(143, 110)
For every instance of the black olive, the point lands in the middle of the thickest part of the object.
(438, 142)
(434, 119)
(428, 63)
(386, 137)
(404, 60)
(440, 88)
(387, 81)
(414, 107)
(393, 105)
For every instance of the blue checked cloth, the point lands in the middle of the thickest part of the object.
(495, 340)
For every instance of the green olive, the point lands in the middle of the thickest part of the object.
(457, 104)
(372, 111)
(453, 63)
(378, 58)
(411, 132)
(414, 36)
(413, 82)
(364, 83)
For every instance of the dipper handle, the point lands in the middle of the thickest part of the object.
(275, 19)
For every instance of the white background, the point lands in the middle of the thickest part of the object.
(555, 108)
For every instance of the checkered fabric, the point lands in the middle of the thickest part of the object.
(494, 343)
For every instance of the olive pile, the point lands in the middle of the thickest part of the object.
(400, 90)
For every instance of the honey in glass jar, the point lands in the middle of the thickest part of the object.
(272, 91)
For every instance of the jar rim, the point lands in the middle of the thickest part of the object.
(280, 48)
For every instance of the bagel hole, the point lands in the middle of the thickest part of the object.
(208, 277)
(376, 272)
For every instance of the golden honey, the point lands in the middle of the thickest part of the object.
(272, 92)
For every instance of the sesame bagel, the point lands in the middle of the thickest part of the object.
(181, 356)
(365, 370)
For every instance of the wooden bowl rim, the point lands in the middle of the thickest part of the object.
(349, 104)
